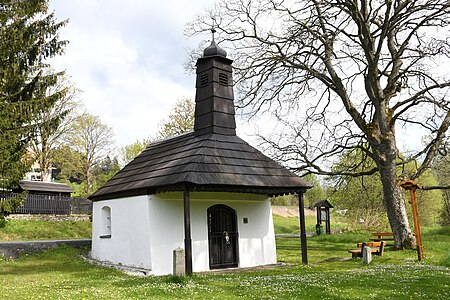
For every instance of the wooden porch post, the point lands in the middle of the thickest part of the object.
(187, 233)
(328, 223)
(301, 208)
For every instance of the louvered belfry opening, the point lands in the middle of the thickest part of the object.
(214, 98)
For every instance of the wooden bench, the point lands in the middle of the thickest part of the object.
(382, 236)
(377, 248)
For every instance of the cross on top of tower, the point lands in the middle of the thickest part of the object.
(214, 49)
(213, 29)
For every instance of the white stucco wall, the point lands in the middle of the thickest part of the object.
(154, 227)
(129, 244)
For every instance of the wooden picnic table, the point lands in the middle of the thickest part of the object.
(377, 248)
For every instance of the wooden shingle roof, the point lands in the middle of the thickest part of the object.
(39, 186)
(212, 158)
(209, 162)
(323, 203)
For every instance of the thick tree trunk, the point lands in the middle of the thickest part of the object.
(44, 172)
(44, 160)
(396, 210)
(393, 198)
(89, 181)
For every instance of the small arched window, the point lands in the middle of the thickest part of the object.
(105, 231)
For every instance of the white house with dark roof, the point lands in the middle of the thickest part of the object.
(206, 191)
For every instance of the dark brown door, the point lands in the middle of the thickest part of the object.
(223, 237)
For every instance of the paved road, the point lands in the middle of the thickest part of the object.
(308, 234)
(11, 250)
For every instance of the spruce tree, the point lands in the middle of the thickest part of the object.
(28, 37)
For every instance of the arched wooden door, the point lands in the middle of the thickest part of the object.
(222, 237)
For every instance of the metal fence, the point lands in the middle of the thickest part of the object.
(51, 204)
(80, 206)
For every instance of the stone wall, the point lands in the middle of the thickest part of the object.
(85, 218)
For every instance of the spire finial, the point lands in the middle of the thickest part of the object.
(213, 29)
(214, 49)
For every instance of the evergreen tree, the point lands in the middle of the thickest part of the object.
(28, 36)
(106, 169)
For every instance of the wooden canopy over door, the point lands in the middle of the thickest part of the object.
(222, 237)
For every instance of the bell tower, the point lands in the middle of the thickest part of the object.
(214, 98)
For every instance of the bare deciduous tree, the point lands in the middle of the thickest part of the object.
(340, 75)
(53, 122)
(93, 140)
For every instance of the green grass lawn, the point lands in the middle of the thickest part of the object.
(62, 274)
(291, 225)
(28, 230)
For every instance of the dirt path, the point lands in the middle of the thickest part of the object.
(290, 211)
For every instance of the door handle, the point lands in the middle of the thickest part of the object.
(227, 237)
